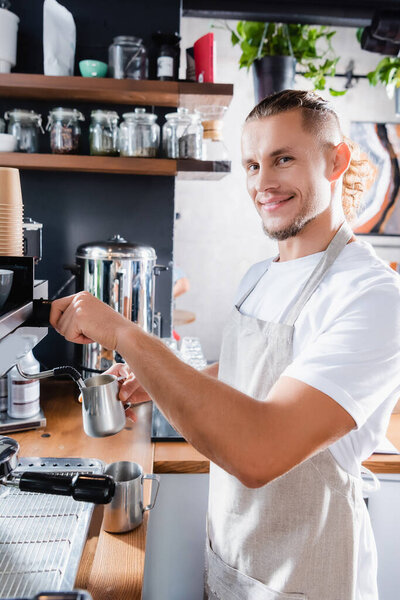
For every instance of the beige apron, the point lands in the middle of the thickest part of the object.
(298, 536)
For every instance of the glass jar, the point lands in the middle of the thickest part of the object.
(25, 125)
(182, 135)
(65, 130)
(213, 145)
(127, 58)
(103, 133)
(139, 134)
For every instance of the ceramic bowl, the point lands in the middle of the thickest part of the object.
(93, 68)
(6, 279)
(8, 142)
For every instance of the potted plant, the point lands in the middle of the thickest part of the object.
(274, 50)
(386, 72)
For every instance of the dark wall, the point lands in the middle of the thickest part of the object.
(76, 208)
(97, 23)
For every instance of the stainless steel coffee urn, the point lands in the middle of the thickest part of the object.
(121, 274)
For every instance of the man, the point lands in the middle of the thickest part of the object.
(307, 378)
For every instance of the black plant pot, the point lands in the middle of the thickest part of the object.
(273, 74)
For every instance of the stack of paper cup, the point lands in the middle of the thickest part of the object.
(11, 213)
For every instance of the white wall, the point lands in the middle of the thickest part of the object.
(218, 235)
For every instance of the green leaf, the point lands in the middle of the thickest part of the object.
(248, 48)
(244, 62)
(234, 39)
(387, 63)
(239, 28)
(337, 92)
(391, 75)
(253, 32)
(359, 33)
(249, 54)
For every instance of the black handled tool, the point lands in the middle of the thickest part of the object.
(40, 316)
(87, 488)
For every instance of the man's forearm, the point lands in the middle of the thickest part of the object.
(209, 413)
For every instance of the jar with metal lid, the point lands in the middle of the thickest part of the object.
(182, 135)
(139, 134)
(103, 133)
(127, 58)
(65, 130)
(25, 125)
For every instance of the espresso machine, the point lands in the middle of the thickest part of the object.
(23, 324)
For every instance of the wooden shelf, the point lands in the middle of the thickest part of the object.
(203, 169)
(113, 91)
(188, 169)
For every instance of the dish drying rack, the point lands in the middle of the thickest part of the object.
(42, 536)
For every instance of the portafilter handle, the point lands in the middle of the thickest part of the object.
(98, 489)
(40, 316)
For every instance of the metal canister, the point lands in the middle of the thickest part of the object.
(121, 274)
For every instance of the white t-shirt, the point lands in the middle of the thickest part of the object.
(346, 339)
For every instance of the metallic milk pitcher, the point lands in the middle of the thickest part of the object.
(125, 511)
(102, 412)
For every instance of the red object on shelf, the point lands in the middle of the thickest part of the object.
(204, 58)
(176, 335)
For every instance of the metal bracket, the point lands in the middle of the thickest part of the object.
(157, 319)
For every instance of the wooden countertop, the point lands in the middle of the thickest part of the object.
(112, 565)
(387, 463)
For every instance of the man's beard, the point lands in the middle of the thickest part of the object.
(290, 231)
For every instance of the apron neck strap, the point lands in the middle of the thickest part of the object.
(247, 294)
(335, 247)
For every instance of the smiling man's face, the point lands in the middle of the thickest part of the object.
(286, 169)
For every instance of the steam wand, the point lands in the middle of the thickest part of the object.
(56, 372)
